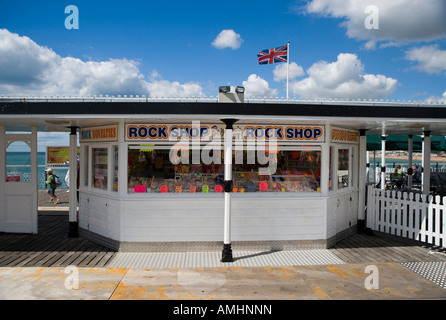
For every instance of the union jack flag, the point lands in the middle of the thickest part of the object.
(274, 55)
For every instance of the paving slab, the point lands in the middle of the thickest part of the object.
(68, 283)
(317, 282)
(380, 281)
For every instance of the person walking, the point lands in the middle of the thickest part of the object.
(51, 183)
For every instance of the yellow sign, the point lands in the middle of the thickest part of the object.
(105, 133)
(58, 155)
(344, 135)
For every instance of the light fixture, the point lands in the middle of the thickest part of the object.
(239, 89)
(224, 89)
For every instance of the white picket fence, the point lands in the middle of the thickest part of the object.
(411, 215)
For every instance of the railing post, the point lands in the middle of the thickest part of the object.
(443, 224)
(371, 198)
(404, 213)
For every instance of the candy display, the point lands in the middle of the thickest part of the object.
(252, 182)
(182, 183)
(152, 172)
(296, 171)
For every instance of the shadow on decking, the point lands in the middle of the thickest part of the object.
(381, 247)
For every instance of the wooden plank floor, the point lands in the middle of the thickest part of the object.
(51, 248)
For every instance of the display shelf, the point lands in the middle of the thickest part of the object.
(182, 183)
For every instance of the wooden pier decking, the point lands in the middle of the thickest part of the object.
(51, 248)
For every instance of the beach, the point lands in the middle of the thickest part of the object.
(402, 157)
(415, 158)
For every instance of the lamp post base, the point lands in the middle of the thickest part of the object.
(227, 253)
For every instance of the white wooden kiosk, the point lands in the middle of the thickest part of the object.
(132, 193)
(135, 194)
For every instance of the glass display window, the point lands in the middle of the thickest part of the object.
(295, 171)
(115, 168)
(343, 168)
(100, 168)
(150, 170)
(84, 164)
(331, 185)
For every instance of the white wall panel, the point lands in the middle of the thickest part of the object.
(100, 214)
(202, 220)
(176, 220)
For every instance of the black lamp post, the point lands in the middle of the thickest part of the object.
(227, 250)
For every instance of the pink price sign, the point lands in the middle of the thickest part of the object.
(140, 189)
(263, 186)
(164, 189)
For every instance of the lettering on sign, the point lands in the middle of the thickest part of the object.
(344, 135)
(108, 133)
(208, 132)
(171, 132)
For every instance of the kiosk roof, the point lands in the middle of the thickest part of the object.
(377, 117)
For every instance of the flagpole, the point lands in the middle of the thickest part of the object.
(287, 70)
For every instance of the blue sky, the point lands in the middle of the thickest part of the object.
(169, 45)
(189, 48)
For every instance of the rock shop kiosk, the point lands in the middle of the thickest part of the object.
(154, 177)
(154, 182)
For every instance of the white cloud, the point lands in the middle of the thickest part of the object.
(255, 87)
(163, 88)
(431, 59)
(280, 71)
(159, 88)
(434, 98)
(399, 20)
(29, 69)
(45, 139)
(227, 39)
(342, 79)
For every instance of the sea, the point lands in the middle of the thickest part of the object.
(19, 164)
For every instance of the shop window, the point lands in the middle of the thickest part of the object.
(84, 162)
(331, 185)
(115, 168)
(343, 168)
(296, 171)
(151, 170)
(99, 166)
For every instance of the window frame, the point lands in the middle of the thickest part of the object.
(352, 178)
